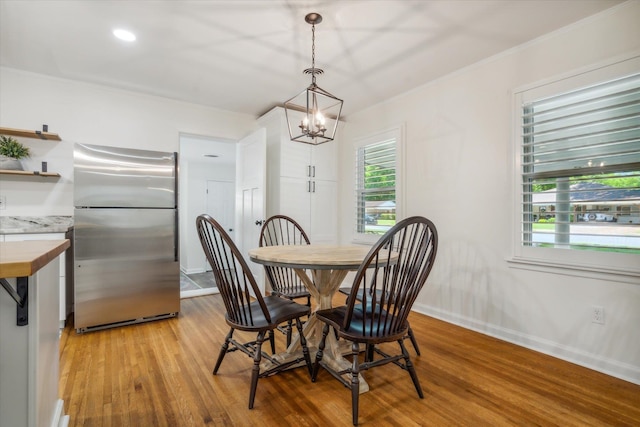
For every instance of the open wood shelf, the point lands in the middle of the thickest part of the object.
(29, 173)
(30, 134)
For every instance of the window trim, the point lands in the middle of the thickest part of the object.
(397, 133)
(592, 264)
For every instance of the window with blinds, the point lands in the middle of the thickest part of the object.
(376, 187)
(580, 165)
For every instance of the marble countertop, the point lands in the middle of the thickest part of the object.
(35, 224)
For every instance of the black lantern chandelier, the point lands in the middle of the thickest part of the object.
(313, 114)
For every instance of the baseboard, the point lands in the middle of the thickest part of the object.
(59, 419)
(607, 366)
(198, 292)
(192, 270)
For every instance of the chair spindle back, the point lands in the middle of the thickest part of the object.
(283, 230)
(233, 277)
(392, 275)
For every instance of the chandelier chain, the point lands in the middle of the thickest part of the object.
(313, 53)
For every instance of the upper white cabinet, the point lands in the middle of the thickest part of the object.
(301, 179)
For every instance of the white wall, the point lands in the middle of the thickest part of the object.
(92, 114)
(459, 174)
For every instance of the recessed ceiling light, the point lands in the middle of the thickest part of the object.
(125, 35)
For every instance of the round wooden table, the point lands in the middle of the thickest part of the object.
(328, 265)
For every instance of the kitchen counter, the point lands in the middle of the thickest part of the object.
(25, 228)
(23, 259)
(35, 224)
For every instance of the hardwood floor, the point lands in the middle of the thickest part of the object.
(159, 374)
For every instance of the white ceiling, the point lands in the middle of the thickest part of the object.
(248, 56)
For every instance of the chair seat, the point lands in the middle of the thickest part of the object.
(280, 309)
(364, 329)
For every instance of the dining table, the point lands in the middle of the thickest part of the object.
(322, 269)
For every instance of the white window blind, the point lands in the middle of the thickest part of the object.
(581, 168)
(376, 187)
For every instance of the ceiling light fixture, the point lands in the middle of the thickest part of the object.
(125, 35)
(320, 110)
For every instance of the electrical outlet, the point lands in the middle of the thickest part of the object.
(3, 202)
(597, 315)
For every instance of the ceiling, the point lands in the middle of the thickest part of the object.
(248, 56)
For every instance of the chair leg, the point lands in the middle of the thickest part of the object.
(272, 341)
(256, 368)
(411, 369)
(355, 381)
(319, 354)
(223, 351)
(414, 341)
(289, 328)
(305, 349)
(369, 353)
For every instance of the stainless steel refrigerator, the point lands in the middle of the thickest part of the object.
(126, 236)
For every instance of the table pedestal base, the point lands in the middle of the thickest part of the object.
(332, 354)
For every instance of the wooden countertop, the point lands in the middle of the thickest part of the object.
(20, 259)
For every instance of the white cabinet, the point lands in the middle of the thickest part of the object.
(29, 354)
(299, 160)
(62, 270)
(301, 180)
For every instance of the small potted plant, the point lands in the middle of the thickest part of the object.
(11, 151)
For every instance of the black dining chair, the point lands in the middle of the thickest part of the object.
(246, 308)
(283, 230)
(384, 289)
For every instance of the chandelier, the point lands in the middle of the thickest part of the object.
(313, 114)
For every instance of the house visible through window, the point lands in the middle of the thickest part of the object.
(376, 185)
(580, 168)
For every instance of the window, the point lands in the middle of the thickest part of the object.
(579, 167)
(376, 184)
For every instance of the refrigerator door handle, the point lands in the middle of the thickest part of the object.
(176, 239)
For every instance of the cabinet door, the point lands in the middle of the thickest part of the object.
(294, 201)
(324, 161)
(324, 212)
(295, 158)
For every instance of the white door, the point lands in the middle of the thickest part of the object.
(251, 177)
(221, 206)
(221, 202)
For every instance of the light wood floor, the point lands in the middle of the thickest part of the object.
(159, 374)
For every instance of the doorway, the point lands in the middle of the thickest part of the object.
(206, 184)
